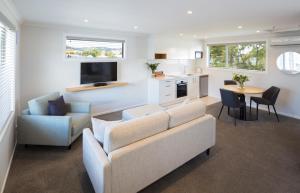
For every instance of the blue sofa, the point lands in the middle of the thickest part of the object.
(36, 127)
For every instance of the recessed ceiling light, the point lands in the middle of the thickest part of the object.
(189, 12)
(86, 20)
(181, 34)
(135, 27)
(195, 36)
(257, 31)
(240, 27)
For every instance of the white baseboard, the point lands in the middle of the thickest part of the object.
(8, 168)
(118, 109)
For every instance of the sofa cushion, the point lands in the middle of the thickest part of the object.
(79, 121)
(39, 106)
(130, 131)
(57, 107)
(99, 127)
(140, 111)
(184, 113)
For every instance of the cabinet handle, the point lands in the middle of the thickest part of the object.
(167, 95)
(168, 85)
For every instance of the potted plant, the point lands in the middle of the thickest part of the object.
(152, 66)
(240, 79)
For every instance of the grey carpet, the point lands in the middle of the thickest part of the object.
(260, 156)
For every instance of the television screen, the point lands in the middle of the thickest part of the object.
(97, 72)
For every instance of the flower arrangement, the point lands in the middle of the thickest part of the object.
(241, 79)
(152, 66)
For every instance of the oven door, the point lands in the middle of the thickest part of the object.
(181, 89)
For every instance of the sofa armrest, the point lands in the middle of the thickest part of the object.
(44, 130)
(80, 107)
(26, 112)
(96, 163)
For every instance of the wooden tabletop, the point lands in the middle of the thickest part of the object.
(245, 90)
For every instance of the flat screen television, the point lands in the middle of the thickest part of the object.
(98, 72)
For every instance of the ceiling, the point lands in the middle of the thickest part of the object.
(210, 18)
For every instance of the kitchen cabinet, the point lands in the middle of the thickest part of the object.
(161, 91)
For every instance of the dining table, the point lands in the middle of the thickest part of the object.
(246, 90)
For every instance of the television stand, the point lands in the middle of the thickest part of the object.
(100, 84)
(93, 87)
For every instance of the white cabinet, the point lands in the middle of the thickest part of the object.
(161, 91)
(164, 91)
(193, 87)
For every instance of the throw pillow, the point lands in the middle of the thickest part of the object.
(57, 107)
(99, 127)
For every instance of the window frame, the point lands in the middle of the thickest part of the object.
(9, 65)
(226, 43)
(92, 38)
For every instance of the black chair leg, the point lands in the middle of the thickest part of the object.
(235, 117)
(245, 113)
(256, 111)
(275, 113)
(228, 110)
(250, 105)
(220, 111)
(269, 109)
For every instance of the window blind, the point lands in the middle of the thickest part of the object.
(7, 73)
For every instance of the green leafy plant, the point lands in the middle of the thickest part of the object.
(241, 79)
(152, 66)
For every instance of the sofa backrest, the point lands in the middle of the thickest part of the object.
(39, 106)
(133, 130)
(186, 112)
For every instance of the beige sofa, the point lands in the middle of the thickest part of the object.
(139, 151)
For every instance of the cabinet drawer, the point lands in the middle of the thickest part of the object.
(166, 86)
(166, 97)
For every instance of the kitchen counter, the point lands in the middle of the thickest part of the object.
(176, 76)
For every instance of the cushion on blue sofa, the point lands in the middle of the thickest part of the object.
(79, 121)
(39, 106)
(57, 107)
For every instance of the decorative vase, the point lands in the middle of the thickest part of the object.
(241, 85)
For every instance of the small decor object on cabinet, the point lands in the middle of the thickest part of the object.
(159, 74)
(153, 67)
(160, 56)
(198, 55)
(241, 79)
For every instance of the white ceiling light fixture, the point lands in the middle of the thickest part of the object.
(189, 12)
(195, 36)
(85, 20)
(181, 34)
(257, 31)
(135, 27)
(240, 27)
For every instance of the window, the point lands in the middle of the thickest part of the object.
(93, 48)
(7, 73)
(249, 56)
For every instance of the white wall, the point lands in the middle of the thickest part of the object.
(180, 52)
(8, 135)
(45, 69)
(288, 102)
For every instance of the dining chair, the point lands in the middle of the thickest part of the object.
(268, 98)
(231, 100)
(241, 96)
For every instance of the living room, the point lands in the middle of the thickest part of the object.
(166, 86)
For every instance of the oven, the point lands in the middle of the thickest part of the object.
(181, 86)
